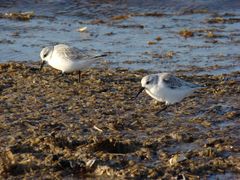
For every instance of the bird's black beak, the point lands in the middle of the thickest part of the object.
(43, 62)
(139, 92)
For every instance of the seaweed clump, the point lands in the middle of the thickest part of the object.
(22, 16)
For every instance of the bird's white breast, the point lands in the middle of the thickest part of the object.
(168, 95)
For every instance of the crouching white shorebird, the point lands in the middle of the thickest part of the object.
(165, 87)
(67, 59)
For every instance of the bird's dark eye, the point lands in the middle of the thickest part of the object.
(148, 82)
(45, 55)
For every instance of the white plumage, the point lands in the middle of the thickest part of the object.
(67, 59)
(165, 87)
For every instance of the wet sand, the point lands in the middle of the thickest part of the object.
(59, 128)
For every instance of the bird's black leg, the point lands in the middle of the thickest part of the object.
(165, 107)
(61, 74)
(176, 107)
(79, 76)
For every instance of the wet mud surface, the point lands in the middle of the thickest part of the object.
(54, 127)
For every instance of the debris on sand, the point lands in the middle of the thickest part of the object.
(151, 42)
(223, 20)
(177, 159)
(186, 33)
(120, 17)
(82, 29)
(158, 38)
(22, 16)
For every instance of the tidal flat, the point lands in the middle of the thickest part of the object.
(54, 127)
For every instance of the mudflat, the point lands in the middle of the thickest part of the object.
(55, 127)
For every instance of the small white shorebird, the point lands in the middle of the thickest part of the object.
(165, 87)
(67, 59)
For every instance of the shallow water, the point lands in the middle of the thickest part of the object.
(127, 40)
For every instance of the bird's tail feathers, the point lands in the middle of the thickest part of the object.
(199, 86)
(202, 86)
(99, 56)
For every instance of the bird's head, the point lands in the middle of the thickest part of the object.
(45, 55)
(148, 82)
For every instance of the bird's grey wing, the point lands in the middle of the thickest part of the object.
(71, 53)
(75, 54)
(173, 82)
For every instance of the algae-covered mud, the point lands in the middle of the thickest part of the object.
(54, 127)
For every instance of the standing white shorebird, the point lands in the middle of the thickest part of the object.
(165, 87)
(67, 59)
